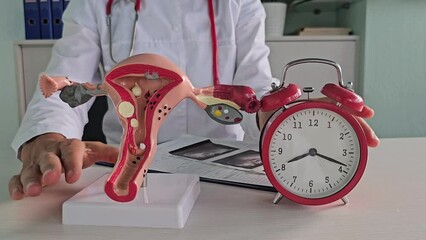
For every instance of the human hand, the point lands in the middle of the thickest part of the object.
(47, 156)
(366, 113)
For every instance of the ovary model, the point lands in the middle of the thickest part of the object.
(145, 88)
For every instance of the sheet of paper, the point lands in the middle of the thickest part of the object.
(221, 160)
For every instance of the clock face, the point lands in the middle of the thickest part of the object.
(313, 151)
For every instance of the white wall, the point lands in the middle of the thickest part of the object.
(392, 62)
(12, 29)
(395, 66)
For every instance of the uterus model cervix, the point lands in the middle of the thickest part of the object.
(145, 88)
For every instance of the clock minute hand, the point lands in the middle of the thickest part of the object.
(298, 157)
(330, 159)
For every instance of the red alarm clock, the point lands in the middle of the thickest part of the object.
(313, 152)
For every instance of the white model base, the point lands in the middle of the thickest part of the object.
(170, 198)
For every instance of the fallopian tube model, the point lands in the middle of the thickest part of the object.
(144, 89)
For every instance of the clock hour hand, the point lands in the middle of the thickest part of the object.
(330, 159)
(311, 152)
(298, 157)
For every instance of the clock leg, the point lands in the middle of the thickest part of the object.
(277, 198)
(345, 200)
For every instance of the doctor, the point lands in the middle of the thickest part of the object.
(184, 32)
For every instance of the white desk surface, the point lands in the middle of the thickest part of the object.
(388, 203)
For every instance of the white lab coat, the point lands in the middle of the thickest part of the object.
(178, 30)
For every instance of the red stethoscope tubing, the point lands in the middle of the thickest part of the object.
(214, 44)
(110, 2)
(216, 81)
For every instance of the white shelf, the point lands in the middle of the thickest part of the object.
(323, 5)
(291, 38)
(36, 42)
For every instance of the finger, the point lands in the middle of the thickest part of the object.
(15, 188)
(372, 139)
(99, 152)
(31, 180)
(50, 168)
(72, 158)
(366, 112)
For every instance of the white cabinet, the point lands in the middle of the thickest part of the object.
(32, 57)
(341, 49)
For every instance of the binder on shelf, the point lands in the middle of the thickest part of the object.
(66, 3)
(46, 19)
(31, 17)
(57, 10)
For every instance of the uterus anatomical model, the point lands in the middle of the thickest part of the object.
(145, 88)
